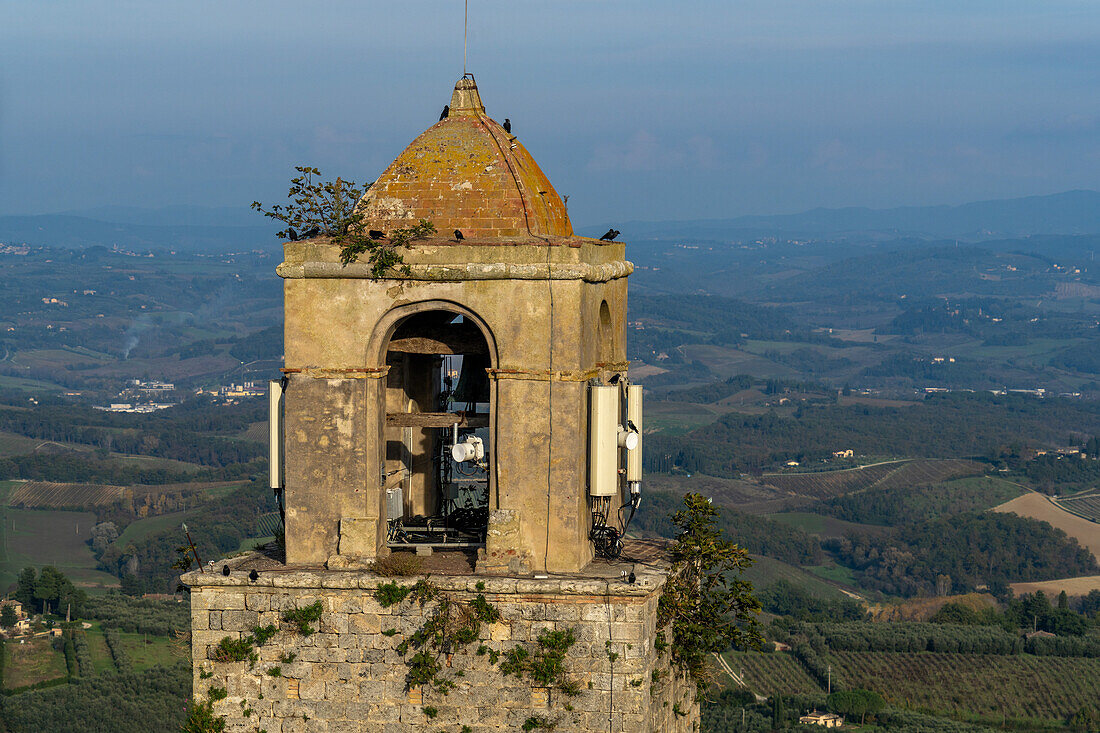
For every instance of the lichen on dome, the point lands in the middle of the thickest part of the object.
(466, 173)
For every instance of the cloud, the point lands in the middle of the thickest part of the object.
(835, 155)
(644, 151)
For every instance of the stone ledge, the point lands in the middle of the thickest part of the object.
(646, 583)
(461, 272)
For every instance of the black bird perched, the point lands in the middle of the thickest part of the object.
(610, 236)
(253, 575)
(458, 234)
(375, 234)
(445, 113)
(507, 125)
(225, 570)
(292, 234)
(311, 232)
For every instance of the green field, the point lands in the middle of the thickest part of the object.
(41, 537)
(765, 571)
(835, 573)
(63, 357)
(994, 490)
(824, 527)
(37, 660)
(153, 462)
(727, 361)
(1036, 352)
(250, 543)
(14, 445)
(101, 654)
(147, 650)
(216, 492)
(677, 418)
(31, 385)
(7, 577)
(31, 662)
(149, 526)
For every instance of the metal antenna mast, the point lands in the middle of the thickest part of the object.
(465, 33)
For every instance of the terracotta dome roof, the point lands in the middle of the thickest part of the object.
(467, 173)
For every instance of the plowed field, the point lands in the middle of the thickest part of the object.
(51, 495)
(892, 474)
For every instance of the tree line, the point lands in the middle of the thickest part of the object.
(174, 438)
(958, 553)
(77, 467)
(946, 425)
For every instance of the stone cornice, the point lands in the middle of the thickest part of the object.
(461, 271)
(649, 579)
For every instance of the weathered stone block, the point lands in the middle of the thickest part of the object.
(257, 602)
(311, 689)
(334, 623)
(228, 601)
(341, 691)
(364, 623)
(239, 620)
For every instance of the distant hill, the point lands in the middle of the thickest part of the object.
(222, 229)
(177, 215)
(78, 232)
(1071, 212)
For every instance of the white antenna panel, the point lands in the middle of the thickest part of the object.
(603, 441)
(634, 422)
(275, 434)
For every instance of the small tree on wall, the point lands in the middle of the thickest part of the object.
(329, 209)
(707, 605)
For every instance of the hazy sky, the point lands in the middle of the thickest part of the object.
(636, 109)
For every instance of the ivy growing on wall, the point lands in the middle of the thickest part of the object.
(454, 623)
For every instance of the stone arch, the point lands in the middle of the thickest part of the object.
(605, 348)
(434, 380)
(388, 323)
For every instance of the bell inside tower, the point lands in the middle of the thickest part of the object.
(437, 439)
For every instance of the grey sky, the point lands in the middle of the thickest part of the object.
(636, 109)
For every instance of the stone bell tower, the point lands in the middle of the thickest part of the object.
(502, 321)
(470, 412)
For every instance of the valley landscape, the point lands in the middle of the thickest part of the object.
(371, 455)
(911, 464)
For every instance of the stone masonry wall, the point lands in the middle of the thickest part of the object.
(349, 675)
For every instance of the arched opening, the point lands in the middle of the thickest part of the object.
(438, 447)
(605, 336)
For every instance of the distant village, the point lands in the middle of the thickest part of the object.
(142, 397)
(16, 623)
